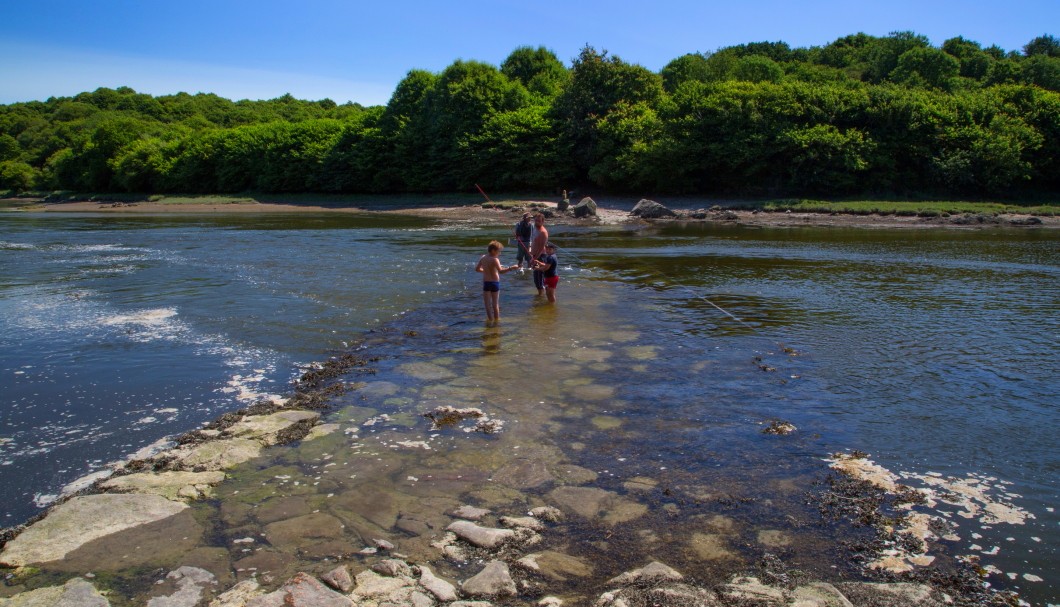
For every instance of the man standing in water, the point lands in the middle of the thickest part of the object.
(537, 249)
(523, 232)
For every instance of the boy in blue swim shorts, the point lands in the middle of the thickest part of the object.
(491, 268)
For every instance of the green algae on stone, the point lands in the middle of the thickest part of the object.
(588, 355)
(606, 422)
(641, 352)
(425, 371)
(710, 547)
(592, 392)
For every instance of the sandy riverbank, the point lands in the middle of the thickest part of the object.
(475, 213)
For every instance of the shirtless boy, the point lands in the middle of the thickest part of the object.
(537, 249)
(491, 268)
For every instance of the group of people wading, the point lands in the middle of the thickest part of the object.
(535, 249)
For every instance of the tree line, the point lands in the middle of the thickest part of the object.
(889, 115)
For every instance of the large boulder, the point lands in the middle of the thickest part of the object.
(81, 520)
(649, 209)
(585, 208)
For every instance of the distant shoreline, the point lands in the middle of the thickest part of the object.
(452, 208)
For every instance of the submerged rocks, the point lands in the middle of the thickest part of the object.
(81, 520)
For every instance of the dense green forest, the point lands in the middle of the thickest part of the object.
(887, 115)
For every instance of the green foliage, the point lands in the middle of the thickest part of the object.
(539, 70)
(758, 68)
(17, 176)
(686, 68)
(926, 67)
(1046, 45)
(890, 115)
(600, 84)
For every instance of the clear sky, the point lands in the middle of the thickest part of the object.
(349, 50)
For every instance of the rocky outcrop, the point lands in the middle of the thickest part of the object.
(585, 208)
(649, 209)
(82, 519)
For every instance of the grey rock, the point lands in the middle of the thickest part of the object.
(819, 594)
(441, 589)
(238, 595)
(751, 589)
(522, 522)
(495, 580)
(270, 429)
(171, 485)
(889, 595)
(585, 208)
(483, 537)
(649, 209)
(547, 513)
(652, 572)
(471, 513)
(392, 568)
(191, 582)
(218, 455)
(302, 590)
(339, 578)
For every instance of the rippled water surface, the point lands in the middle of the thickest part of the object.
(669, 351)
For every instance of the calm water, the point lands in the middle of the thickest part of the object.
(935, 352)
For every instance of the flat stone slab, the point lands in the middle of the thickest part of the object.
(75, 593)
(218, 455)
(170, 485)
(82, 519)
(265, 428)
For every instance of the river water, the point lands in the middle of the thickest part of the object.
(669, 351)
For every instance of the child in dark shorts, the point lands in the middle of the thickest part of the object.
(547, 265)
(491, 268)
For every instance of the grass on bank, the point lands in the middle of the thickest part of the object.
(919, 208)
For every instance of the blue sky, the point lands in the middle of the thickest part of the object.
(359, 51)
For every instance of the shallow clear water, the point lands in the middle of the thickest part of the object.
(669, 350)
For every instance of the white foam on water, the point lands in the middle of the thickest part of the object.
(16, 246)
(154, 317)
(43, 500)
